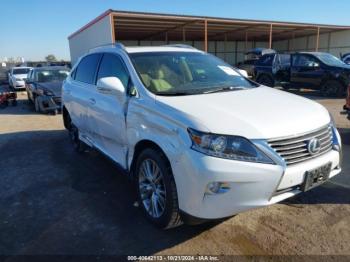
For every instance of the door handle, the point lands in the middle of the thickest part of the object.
(92, 101)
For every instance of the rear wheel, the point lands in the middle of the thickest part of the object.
(156, 189)
(333, 88)
(266, 80)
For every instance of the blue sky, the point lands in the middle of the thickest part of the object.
(35, 28)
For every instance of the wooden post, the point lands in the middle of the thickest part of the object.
(317, 39)
(225, 47)
(111, 21)
(205, 35)
(270, 40)
(166, 37)
(183, 34)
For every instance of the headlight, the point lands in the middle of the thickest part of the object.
(229, 147)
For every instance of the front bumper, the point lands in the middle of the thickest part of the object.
(19, 84)
(49, 103)
(252, 185)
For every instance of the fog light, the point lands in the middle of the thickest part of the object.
(217, 188)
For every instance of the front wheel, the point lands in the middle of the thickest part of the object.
(156, 189)
(36, 105)
(332, 88)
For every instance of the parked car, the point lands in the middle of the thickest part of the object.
(44, 88)
(17, 77)
(251, 57)
(200, 140)
(347, 103)
(314, 70)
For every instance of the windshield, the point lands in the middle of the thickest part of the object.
(185, 73)
(329, 59)
(20, 71)
(51, 75)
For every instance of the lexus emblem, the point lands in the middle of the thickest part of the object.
(314, 146)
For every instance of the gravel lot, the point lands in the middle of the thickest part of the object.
(55, 201)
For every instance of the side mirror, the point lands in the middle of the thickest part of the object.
(314, 65)
(111, 86)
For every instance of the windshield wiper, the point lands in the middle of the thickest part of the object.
(222, 89)
(173, 93)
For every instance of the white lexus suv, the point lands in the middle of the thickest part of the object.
(199, 139)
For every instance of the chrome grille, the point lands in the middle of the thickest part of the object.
(295, 149)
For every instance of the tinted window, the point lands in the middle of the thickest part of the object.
(20, 71)
(87, 68)
(111, 65)
(284, 59)
(304, 61)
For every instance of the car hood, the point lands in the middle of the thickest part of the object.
(55, 87)
(257, 113)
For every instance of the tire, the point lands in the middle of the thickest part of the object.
(266, 80)
(36, 105)
(332, 88)
(156, 189)
(29, 100)
(78, 145)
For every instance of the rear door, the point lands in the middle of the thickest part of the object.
(306, 70)
(107, 114)
(79, 91)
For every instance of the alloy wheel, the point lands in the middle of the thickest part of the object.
(152, 188)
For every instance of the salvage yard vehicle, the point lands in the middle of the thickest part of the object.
(44, 88)
(17, 77)
(313, 70)
(194, 134)
(7, 96)
(251, 57)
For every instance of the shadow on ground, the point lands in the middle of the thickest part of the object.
(56, 201)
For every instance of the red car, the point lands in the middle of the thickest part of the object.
(347, 105)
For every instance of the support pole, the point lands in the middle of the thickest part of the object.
(166, 37)
(112, 23)
(246, 41)
(183, 34)
(225, 47)
(317, 39)
(270, 40)
(205, 35)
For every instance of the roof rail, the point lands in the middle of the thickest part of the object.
(181, 46)
(117, 45)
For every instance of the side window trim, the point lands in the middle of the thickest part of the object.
(96, 69)
(129, 84)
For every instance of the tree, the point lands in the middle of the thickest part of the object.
(50, 58)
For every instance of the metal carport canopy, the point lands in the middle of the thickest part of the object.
(141, 26)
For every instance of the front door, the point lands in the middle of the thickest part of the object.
(107, 114)
(306, 71)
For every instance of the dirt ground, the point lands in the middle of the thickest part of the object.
(55, 201)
